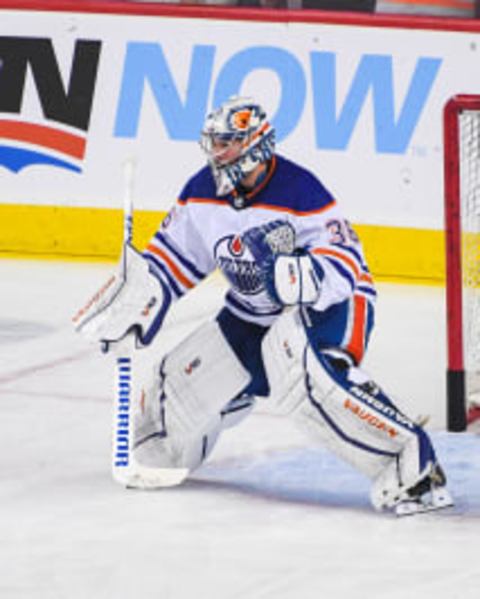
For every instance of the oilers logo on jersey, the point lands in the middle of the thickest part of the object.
(237, 264)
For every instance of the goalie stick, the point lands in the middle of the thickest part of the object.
(122, 407)
(125, 469)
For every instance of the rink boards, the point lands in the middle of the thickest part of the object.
(356, 98)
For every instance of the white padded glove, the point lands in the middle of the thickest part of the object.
(131, 299)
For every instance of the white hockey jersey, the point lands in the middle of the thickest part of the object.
(203, 232)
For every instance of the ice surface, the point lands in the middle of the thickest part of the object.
(269, 516)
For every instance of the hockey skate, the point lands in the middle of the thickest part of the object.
(428, 495)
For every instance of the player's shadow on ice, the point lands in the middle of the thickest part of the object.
(302, 476)
(315, 477)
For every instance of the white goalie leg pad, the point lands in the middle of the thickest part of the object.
(349, 418)
(353, 418)
(132, 298)
(283, 348)
(340, 406)
(180, 412)
(362, 425)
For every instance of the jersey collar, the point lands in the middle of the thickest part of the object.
(241, 200)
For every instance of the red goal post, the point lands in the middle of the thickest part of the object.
(462, 228)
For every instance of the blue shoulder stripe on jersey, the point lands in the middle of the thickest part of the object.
(341, 270)
(159, 266)
(186, 263)
(367, 291)
(353, 252)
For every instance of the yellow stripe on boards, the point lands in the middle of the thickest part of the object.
(67, 232)
(59, 232)
(404, 254)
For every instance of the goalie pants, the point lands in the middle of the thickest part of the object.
(346, 326)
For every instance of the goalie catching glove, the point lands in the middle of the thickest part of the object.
(131, 300)
(290, 275)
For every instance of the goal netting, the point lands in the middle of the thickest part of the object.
(462, 220)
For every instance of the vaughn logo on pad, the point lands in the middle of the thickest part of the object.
(59, 136)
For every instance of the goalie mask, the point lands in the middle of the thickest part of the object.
(236, 138)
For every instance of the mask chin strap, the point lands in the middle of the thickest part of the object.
(225, 179)
(241, 194)
(229, 177)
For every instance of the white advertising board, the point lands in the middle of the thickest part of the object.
(360, 105)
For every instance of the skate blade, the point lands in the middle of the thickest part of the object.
(143, 477)
(437, 499)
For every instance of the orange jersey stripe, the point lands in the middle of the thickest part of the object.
(294, 212)
(173, 267)
(366, 277)
(356, 345)
(261, 206)
(269, 175)
(328, 252)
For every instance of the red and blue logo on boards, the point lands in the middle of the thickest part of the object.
(59, 138)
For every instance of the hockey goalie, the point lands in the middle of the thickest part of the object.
(293, 329)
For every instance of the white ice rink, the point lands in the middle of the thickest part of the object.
(270, 516)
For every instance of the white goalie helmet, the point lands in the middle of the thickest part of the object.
(236, 138)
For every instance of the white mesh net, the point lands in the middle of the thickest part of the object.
(469, 128)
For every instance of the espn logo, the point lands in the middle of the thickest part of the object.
(66, 103)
